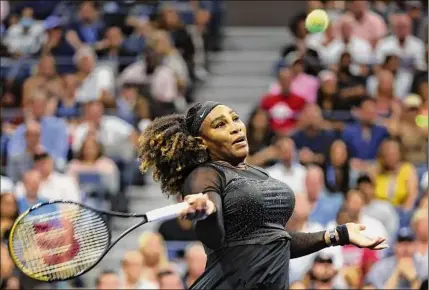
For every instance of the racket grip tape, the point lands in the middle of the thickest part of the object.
(166, 212)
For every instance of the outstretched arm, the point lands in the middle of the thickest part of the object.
(303, 244)
(307, 243)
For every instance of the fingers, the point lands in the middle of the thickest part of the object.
(197, 207)
(378, 244)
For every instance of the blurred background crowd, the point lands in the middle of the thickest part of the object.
(343, 122)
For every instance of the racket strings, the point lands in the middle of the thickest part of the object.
(60, 242)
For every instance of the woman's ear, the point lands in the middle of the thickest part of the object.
(202, 141)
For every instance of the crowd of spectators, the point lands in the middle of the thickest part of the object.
(344, 124)
(79, 81)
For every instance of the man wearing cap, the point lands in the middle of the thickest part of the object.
(402, 270)
(413, 137)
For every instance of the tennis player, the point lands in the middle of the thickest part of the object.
(239, 210)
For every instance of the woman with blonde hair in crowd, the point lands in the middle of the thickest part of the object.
(154, 252)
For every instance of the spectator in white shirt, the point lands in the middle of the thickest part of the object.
(54, 185)
(117, 137)
(25, 37)
(403, 79)
(96, 82)
(7, 184)
(132, 269)
(330, 51)
(354, 203)
(107, 280)
(170, 57)
(367, 25)
(409, 48)
(31, 181)
(381, 210)
(288, 170)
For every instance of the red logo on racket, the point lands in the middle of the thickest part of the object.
(54, 244)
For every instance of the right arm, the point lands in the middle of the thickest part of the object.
(207, 180)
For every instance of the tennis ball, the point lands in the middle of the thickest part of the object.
(422, 121)
(317, 21)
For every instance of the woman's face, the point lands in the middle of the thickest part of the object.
(8, 206)
(152, 250)
(91, 149)
(329, 86)
(345, 60)
(338, 153)
(224, 134)
(260, 120)
(391, 154)
(171, 18)
(393, 64)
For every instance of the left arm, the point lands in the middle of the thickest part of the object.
(307, 243)
(303, 244)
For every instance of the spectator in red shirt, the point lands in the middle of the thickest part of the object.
(283, 107)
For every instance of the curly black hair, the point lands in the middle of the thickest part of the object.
(168, 147)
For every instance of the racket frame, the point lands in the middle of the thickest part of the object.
(99, 212)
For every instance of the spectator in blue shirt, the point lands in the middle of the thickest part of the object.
(325, 206)
(54, 138)
(89, 28)
(31, 181)
(402, 270)
(312, 141)
(364, 137)
(18, 164)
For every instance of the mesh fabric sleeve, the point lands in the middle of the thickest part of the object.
(208, 180)
(306, 243)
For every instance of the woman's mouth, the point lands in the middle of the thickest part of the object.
(240, 141)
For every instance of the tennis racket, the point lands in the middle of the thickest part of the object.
(60, 240)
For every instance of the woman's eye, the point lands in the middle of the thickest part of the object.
(219, 125)
(235, 119)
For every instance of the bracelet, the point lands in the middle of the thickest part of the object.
(343, 235)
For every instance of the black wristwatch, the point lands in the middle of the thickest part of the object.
(333, 236)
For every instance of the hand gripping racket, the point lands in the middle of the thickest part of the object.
(60, 240)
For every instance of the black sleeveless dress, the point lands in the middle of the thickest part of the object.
(246, 243)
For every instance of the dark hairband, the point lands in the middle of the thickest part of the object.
(196, 116)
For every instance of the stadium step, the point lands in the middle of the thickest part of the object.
(244, 69)
(237, 82)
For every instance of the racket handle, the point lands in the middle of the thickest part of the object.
(166, 212)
